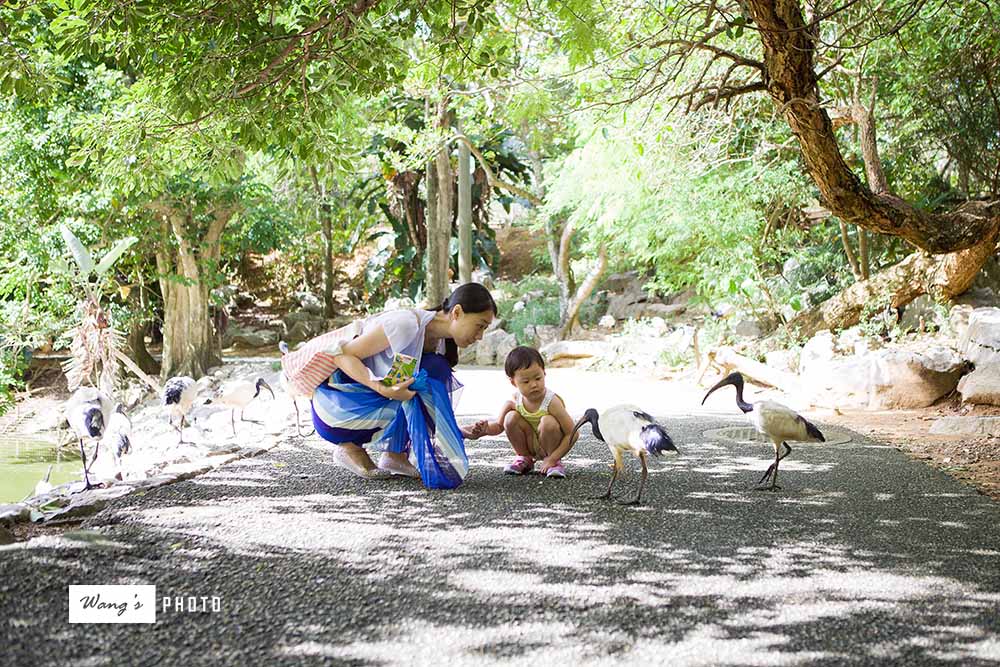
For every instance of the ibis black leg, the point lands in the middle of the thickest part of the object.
(772, 471)
(642, 482)
(607, 494)
(83, 457)
(298, 420)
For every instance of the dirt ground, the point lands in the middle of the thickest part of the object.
(975, 461)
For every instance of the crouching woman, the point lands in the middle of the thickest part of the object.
(355, 407)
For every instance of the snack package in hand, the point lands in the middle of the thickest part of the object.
(403, 368)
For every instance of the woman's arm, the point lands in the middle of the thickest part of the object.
(368, 344)
(558, 410)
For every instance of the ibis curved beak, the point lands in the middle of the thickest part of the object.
(261, 383)
(735, 379)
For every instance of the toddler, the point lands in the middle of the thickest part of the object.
(535, 419)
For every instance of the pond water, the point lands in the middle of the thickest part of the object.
(24, 460)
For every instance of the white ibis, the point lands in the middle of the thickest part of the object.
(294, 393)
(626, 428)
(88, 411)
(44, 485)
(118, 435)
(774, 420)
(239, 394)
(178, 397)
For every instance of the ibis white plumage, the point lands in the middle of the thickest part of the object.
(179, 394)
(118, 435)
(774, 420)
(239, 394)
(295, 394)
(44, 485)
(626, 428)
(88, 412)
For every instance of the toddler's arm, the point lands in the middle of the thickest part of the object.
(558, 410)
(486, 427)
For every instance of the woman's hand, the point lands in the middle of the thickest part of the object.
(397, 392)
(475, 431)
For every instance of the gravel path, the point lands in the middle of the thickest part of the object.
(865, 557)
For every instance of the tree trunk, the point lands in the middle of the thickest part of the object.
(407, 205)
(564, 272)
(326, 222)
(439, 216)
(434, 296)
(138, 351)
(849, 251)
(582, 294)
(189, 346)
(791, 81)
(941, 276)
(863, 252)
(464, 213)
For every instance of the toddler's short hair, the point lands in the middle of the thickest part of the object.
(522, 357)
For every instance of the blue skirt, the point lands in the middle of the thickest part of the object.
(436, 366)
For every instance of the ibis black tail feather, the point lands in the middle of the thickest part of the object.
(813, 431)
(656, 440)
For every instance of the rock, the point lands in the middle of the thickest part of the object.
(924, 310)
(518, 307)
(975, 426)
(305, 330)
(887, 378)
(680, 340)
(484, 277)
(15, 513)
(783, 360)
(257, 338)
(658, 326)
(660, 310)
(244, 299)
(309, 302)
(467, 355)
(504, 347)
(681, 298)
(818, 349)
(749, 329)
(982, 297)
(546, 333)
(292, 319)
(841, 382)
(573, 349)
(854, 341)
(958, 319)
(606, 322)
(494, 347)
(621, 306)
(619, 282)
(981, 386)
(980, 343)
(909, 379)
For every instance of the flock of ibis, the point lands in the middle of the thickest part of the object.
(623, 428)
(93, 416)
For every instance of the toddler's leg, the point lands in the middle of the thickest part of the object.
(519, 433)
(549, 434)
